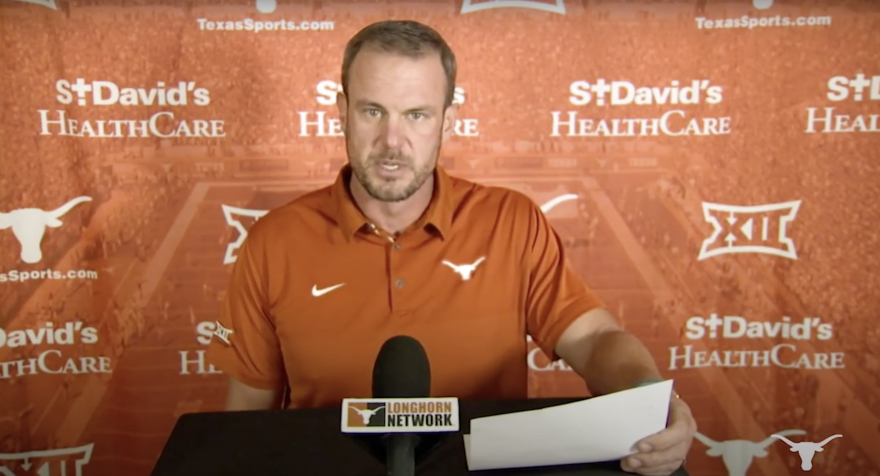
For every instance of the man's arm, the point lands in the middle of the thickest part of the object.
(245, 344)
(568, 321)
(607, 357)
(243, 397)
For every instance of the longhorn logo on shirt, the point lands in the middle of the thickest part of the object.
(369, 414)
(465, 270)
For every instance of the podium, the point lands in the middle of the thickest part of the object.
(309, 442)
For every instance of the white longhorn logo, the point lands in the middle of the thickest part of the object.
(465, 270)
(29, 225)
(737, 455)
(805, 449)
(367, 414)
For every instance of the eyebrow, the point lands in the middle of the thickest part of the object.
(365, 103)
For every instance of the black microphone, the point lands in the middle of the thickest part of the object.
(401, 371)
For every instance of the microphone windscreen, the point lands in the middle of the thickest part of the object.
(402, 370)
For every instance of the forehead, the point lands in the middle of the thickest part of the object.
(396, 79)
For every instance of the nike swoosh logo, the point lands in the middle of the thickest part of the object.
(320, 292)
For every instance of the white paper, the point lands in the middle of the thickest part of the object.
(597, 429)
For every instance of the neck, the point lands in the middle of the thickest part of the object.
(392, 217)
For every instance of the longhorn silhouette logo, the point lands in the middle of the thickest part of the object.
(738, 455)
(465, 270)
(29, 225)
(367, 414)
(805, 449)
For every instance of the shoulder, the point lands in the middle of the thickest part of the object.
(499, 203)
(305, 212)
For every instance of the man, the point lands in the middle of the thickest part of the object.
(396, 246)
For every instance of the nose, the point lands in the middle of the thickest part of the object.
(390, 135)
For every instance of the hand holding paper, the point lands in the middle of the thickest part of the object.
(598, 429)
(664, 452)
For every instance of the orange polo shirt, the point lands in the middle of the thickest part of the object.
(315, 292)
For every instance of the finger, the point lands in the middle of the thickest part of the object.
(665, 439)
(676, 432)
(631, 466)
(626, 464)
(655, 459)
(660, 471)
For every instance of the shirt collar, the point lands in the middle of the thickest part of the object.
(350, 219)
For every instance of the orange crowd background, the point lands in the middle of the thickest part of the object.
(711, 166)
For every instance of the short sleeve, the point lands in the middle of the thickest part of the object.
(245, 344)
(556, 295)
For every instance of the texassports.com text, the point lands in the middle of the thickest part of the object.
(257, 26)
(19, 276)
(746, 21)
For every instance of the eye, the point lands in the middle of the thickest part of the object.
(373, 112)
(417, 115)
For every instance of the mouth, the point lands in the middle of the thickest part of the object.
(390, 166)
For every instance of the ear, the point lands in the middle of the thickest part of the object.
(449, 117)
(342, 108)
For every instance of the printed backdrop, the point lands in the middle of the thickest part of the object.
(709, 164)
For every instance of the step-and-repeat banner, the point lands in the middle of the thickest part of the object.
(711, 166)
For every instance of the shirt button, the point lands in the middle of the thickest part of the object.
(396, 246)
(399, 283)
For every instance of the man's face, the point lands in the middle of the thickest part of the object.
(394, 121)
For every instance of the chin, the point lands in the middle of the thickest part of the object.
(396, 194)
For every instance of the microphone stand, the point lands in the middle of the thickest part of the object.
(401, 454)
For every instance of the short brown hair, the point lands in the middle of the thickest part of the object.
(405, 37)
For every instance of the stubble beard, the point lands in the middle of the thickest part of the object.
(391, 194)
